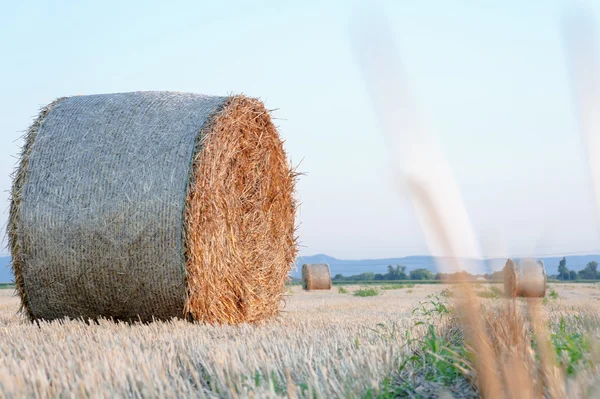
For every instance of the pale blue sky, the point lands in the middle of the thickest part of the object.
(491, 83)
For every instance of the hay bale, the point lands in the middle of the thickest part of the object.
(531, 278)
(153, 205)
(316, 276)
(510, 279)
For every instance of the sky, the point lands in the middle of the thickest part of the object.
(490, 82)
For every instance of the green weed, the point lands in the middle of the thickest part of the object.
(438, 358)
(389, 332)
(385, 391)
(489, 293)
(366, 292)
(570, 347)
(393, 286)
(434, 307)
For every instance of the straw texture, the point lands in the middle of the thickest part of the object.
(531, 278)
(240, 218)
(316, 276)
(510, 279)
(98, 223)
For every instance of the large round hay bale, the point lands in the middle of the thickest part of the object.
(316, 276)
(531, 278)
(153, 205)
(510, 279)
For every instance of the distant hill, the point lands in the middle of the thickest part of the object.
(6, 275)
(350, 267)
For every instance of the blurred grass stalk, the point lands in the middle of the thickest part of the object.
(583, 63)
(501, 352)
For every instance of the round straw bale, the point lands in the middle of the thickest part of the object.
(531, 278)
(316, 276)
(510, 279)
(153, 205)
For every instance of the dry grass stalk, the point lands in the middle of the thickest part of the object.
(550, 374)
(503, 359)
(316, 276)
(490, 385)
(500, 360)
(484, 362)
(509, 330)
(510, 279)
(511, 361)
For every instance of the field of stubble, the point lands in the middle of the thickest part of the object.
(325, 344)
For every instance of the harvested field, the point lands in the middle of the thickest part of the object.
(324, 344)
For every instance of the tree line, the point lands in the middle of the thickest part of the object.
(398, 272)
(394, 273)
(589, 272)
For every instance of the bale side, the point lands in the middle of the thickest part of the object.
(13, 227)
(510, 279)
(531, 278)
(98, 203)
(240, 218)
(316, 276)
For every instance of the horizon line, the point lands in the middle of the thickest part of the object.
(554, 255)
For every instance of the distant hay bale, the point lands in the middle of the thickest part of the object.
(316, 276)
(531, 278)
(510, 279)
(153, 205)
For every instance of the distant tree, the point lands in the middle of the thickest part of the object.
(396, 273)
(391, 273)
(401, 272)
(592, 268)
(421, 274)
(563, 272)
(572, 275)
(590, 272)
(379, 276)
(365, 276)
(339, 277)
